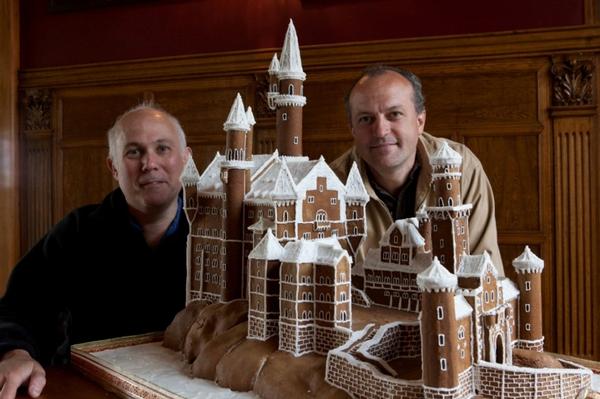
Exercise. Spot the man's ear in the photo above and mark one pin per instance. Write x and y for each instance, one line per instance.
(421, 121)
(112, 167)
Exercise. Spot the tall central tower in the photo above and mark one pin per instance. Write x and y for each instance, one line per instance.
(290, 100)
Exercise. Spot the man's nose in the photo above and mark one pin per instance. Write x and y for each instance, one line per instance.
(381, 127)
(149, 161)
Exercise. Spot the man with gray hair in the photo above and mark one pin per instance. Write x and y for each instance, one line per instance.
(107, 270)
(386, 113)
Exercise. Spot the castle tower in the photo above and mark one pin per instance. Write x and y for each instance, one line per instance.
(356, 200)
(290, 100)
(424, 227)
(263, 288)
(234, 171)
(449, 217)
(439, 336)
(273, 82)
(529, 279)
(189, 180)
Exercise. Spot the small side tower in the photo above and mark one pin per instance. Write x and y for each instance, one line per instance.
(356, 202)
(290, 100)
(273, 82)
(439, 336)
(189, 180)
(424, 227)
(234, 171)
(529, 279)
(250, 134)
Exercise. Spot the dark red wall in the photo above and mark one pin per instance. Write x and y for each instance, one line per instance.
(171, 27)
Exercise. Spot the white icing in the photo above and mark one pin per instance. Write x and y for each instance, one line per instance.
(290, 64)
(436, 277)
(355, 188)
(236, 120)
(462, 307)
(528, 262)
(250, 117)
(268, 248)
(274, 66)
(445, 155)
(476, 265)
(190, 175)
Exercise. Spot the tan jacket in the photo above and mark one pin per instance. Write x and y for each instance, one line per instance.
(475, 189)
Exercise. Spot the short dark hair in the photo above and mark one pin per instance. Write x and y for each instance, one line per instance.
(372, 71)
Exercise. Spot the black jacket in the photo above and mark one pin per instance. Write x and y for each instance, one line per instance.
(92, 277)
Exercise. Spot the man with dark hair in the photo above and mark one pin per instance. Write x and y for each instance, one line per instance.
(386, 113)
(106, 270)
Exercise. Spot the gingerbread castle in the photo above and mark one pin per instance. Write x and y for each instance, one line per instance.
(281, 230)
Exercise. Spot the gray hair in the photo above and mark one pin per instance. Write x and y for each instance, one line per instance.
(116, 131)
(379, 69)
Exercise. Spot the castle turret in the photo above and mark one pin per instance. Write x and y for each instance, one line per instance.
(273, 82)
(529, 271)
(424, 227)
(356, 200)
(189, 179)
(234, 171)
(449, 218)
(290, 100)
(438, 329)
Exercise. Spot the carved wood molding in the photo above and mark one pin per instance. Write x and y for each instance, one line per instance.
(572, 78)
(334, 56)
(37, 109)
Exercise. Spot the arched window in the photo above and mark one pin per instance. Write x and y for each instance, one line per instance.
(191, 203)
(285, 234)
(291, 89)
(343, 296)
(321, 297)
(354, 215)
(321, 215)
(440, 201)
(450, 202)
(355, 230)
(285, 216)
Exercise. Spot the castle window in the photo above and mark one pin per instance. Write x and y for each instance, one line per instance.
(320, 235)
(198, 247)
(442, 258)
(404, 257)
(450, 201)
(328, 297)
(527, 327)
(207, 247)
(488, 279)
(405, 280)
(386, 293)
(394, 256)
(527, 308)
(213, 211)
(448, 186)
(304, 296)
(260, 213)
(344, 315)
(440, 313)
(197, 276)
(304, 315)
(214, 263)
(223, 250)
(191, 203)
(296, 140)
(333, 201)
(492, 296)
(306, 236)
(321, 215)
(441, 340)
(386, 255)
(285, 234)
(354, 215)
(284, 116)
(311, 199)
(285, 216)
(462, 353)
(206, 262)
(441, 243)
(443, 364)
(440, 202)
(461, 332)
(207, 277)
(328, 316)
(321, 314)
(321, 297)
(462, 229)
(215, 249)
(291, 89)
(527, 285)
(199, 260)
(396, 281)
(395, 239)
(270, 213)
(435, 227)
(355, 230)
(486, 297)
(215, 233)
(320, 188)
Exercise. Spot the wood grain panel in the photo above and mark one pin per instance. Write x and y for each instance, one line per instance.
(574, 260)
(9, 180)
(512, 165)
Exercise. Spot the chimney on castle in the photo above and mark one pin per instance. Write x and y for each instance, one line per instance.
(290, 99)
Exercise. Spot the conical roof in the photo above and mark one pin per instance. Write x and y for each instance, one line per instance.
(250, 117)
(528, 261)
(290, 65)
(274, 67)
(445, 155)
(436, 277)
(190, 175)
(237, 117)
(355, 188)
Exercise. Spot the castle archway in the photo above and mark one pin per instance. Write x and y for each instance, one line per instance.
(499, 349)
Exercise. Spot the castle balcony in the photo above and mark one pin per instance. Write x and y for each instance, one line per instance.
(321, 225)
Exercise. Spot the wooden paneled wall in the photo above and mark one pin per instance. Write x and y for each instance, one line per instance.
(9, 64)
(524, 102)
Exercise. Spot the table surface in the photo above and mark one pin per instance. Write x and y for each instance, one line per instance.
(67, 383)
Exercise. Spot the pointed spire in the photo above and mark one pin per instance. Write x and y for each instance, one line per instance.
(528, 262)
(436, 277)
(290, 65)
(355, 188)
(284, 187)
(190, 175)
(445, 155)
(250, 117)
(274, 67)
(268, 248)
(237, 117)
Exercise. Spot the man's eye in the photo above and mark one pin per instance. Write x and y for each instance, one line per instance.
(365, 119)
(132, 153)
(162, 149)
(395, 114)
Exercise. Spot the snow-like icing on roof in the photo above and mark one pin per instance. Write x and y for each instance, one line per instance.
(236, 120)
(250, 116)
(410, 233)
(290, 65)
(274, 67)
(528, 261)
(317, 251)
(509, 289)
(190, 175)
(262, 225)
(475, 265)
(461, 307)
(355, 188)
(284, 187)
(446, 156)
(436, 277)
(268, 248)
(210, 180)
(317, 169)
